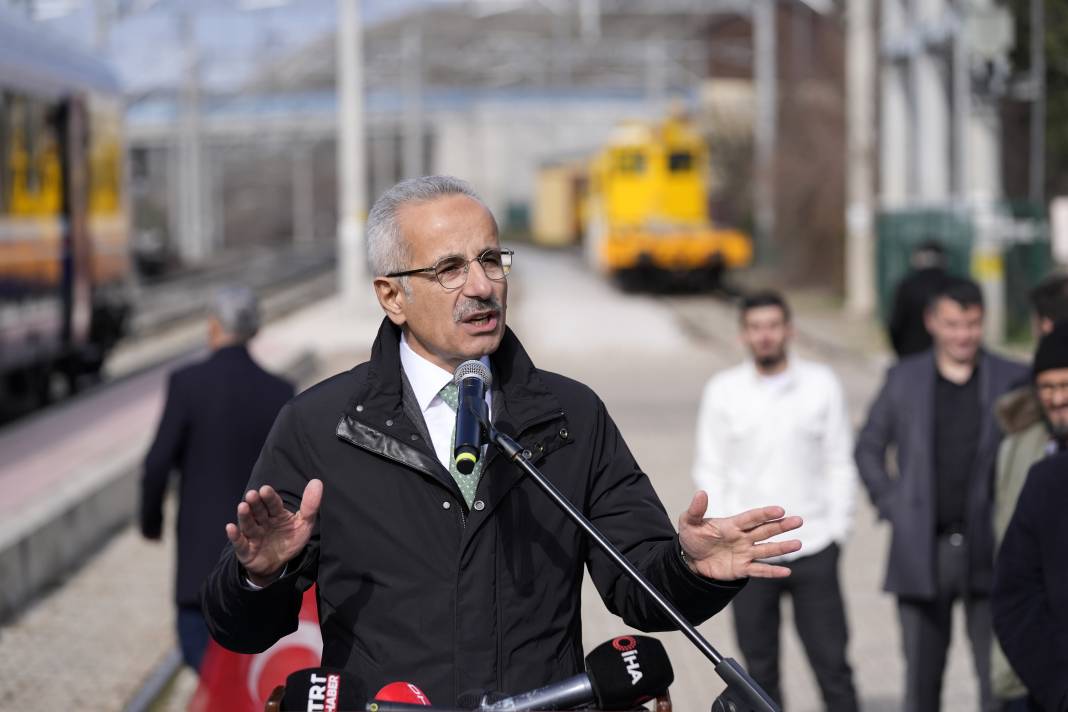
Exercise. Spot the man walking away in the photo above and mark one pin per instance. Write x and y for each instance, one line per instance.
(908, 333)
(776, 426)
(215, 420)
(936, 409)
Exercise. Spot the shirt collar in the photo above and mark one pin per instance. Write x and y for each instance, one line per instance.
(426, 378)
(783, 379)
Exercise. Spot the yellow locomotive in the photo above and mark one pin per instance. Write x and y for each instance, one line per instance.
(644, 213)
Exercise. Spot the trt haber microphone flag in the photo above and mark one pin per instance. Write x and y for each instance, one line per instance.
(233, 682)
(403, 692)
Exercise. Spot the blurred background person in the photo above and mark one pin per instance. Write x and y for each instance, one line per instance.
(216, 417)
(1049, 303)
(1031, 585)
(908, 333)
(936, 409)
(1027, 442)
(776, 426)
(1033, 420)
(1020, 408)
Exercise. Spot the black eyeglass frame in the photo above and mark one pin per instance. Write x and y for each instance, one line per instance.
(433, 269)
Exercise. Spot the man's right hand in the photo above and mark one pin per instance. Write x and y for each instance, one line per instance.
(267, 535)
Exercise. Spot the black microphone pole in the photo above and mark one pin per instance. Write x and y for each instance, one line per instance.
(743, 694)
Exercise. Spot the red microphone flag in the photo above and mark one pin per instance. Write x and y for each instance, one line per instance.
(231, 682)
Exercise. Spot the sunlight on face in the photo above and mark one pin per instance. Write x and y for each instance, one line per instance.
(957, 330)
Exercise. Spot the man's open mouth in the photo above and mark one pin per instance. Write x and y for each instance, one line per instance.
(482, 318)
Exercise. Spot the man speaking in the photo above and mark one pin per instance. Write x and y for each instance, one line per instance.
(457, 582)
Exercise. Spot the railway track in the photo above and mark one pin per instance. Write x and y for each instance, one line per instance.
(168, 322)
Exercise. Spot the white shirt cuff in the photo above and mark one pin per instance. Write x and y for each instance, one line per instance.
(255, 587)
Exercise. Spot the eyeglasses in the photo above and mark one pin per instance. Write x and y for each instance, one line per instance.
(451, 272)
(1050, 389)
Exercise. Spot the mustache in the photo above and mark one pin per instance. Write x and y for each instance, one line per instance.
(469, 306)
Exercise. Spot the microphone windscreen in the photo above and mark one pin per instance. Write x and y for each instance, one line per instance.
(472, 368)
(628, 671)
(403, 692)
(326, 689)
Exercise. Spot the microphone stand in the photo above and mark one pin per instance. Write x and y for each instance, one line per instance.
(743, 694)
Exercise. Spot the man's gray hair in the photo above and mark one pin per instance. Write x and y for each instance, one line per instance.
(238, 311)
(386, 251)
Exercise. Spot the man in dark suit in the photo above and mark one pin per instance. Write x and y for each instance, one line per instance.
(936, 408)
(217, 415)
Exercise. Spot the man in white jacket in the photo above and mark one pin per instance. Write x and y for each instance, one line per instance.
(776, 426)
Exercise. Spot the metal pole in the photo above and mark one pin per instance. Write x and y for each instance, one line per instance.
(192, 239)
(103, 11)
(765, 77)
(590, 19)
(656, 80)
(413, 101)
(860, 87)
(350, 146)
(303, 191)
(1037, 178)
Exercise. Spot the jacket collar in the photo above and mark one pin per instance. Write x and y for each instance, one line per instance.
(525, 399)
(378, 420)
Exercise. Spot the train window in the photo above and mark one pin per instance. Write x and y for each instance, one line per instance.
(630, 162)
(680, 162)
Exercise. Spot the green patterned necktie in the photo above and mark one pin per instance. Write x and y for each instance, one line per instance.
(466, 483)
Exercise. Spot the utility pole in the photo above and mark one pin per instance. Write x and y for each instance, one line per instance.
(352, 262)
(860, 179)
(103, 14)
(1037, 179)
(590, 19)
(413, 101)
(192, 237)
(767, 108)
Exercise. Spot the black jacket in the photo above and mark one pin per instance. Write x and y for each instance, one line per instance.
(412, 585)
(217, 415)
(1030, 598)
(903, 416)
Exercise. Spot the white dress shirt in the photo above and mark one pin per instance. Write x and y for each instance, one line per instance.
(427, 380)
(783, 439)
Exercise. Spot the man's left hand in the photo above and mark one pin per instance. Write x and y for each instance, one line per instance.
(731, 548)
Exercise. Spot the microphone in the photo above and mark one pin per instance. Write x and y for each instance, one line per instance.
(402, 692)
(321, 690)
(621, 674)
(472, 378)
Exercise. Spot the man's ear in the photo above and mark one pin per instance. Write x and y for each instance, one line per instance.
(392, 298)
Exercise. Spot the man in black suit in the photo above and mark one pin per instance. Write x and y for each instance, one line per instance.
(936, 409)
(217, 415)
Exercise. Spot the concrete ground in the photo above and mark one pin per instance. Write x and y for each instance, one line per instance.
(102, 632)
